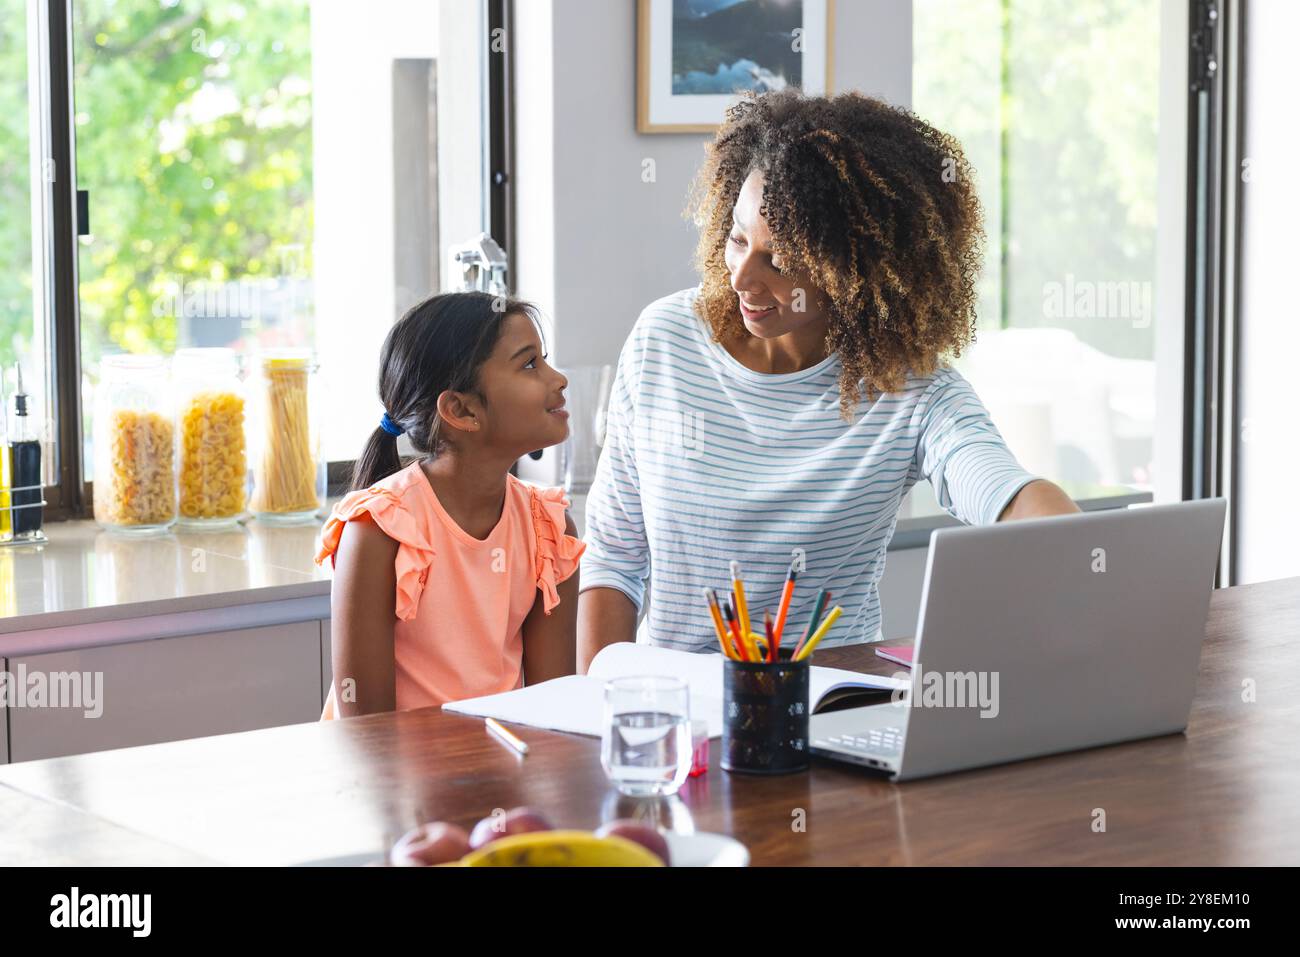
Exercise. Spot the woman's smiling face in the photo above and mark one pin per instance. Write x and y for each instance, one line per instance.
(772, 302)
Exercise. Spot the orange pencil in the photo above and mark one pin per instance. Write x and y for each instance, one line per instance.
(730, 627)
(742, 637)
(741, 647)
(732, 649)
(717, 623)
(786, 594)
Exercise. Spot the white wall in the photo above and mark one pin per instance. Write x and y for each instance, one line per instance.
(352, 133)
(596, 244)
(1269, 451)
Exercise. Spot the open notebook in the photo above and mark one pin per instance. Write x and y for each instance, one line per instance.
(576, 703)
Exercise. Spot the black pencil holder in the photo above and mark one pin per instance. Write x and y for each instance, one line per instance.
(765, 716)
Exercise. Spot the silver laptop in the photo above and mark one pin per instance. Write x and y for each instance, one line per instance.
(1045, 635)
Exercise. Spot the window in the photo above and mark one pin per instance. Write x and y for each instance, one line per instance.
(249, 175)
(1056, 104)
(194, 140)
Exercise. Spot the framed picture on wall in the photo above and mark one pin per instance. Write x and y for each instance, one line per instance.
(695, 56)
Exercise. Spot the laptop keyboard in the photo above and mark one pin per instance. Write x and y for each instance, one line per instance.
(886, 741)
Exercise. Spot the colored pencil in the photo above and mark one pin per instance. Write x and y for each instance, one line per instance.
(822, 597)
(786, 594)
(741, 647)
(811, 643)
(505, 737)
(717, 623)
(742, 610)
(767, 628)
(726, 627)
(741, 636)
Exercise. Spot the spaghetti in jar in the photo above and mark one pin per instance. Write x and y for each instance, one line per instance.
(288, 473)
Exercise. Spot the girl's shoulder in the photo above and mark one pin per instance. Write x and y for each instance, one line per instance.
(557, 551)
(396, 506)
(527, 491)
(395, 500)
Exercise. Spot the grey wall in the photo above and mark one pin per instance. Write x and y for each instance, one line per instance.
(597, 243)
(415, 185)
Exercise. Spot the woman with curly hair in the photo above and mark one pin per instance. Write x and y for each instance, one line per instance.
(782, 409)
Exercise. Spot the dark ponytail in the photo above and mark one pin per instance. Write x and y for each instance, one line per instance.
(438, 345)
(378, 459)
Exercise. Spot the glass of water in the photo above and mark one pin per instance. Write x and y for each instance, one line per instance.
(645, 745)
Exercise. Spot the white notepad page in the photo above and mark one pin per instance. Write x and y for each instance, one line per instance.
(576, 703)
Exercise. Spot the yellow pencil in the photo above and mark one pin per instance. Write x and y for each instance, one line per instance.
(817, 635)
(742, 610)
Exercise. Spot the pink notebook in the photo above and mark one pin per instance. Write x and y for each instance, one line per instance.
(899, 653)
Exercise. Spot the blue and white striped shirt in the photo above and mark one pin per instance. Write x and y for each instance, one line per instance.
(706, 461)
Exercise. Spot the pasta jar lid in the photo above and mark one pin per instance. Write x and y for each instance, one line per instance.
(286, 360)
(206, 359)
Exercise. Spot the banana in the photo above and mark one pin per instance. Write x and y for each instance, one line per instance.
(561, 849)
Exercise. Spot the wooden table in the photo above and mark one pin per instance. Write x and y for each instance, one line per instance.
(1227, 792)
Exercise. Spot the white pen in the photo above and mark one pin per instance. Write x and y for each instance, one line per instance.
(501, 734)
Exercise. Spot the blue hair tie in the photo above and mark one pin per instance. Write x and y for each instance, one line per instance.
(389, 426)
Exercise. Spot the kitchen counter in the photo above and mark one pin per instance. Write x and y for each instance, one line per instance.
(185, 633)
(85, 574)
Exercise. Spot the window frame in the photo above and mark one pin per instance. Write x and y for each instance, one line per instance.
(69, 496)
(1211, 366)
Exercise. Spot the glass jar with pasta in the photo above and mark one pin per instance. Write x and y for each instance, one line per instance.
(211, 464)
(134, 436)
(288, 472)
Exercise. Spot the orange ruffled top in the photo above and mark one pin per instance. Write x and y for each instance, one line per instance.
(461, 601)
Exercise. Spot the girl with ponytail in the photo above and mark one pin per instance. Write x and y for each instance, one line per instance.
(452, 578)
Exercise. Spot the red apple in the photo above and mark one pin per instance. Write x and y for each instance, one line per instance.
(428, 844)
(647, 837)
(519, 820)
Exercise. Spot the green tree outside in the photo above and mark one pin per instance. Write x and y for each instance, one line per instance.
(193, 125)
(1056, 102)
(193, 136)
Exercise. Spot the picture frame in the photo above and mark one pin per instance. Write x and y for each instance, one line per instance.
(688, 49)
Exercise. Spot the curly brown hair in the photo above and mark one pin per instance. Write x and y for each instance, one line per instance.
(865, 201)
